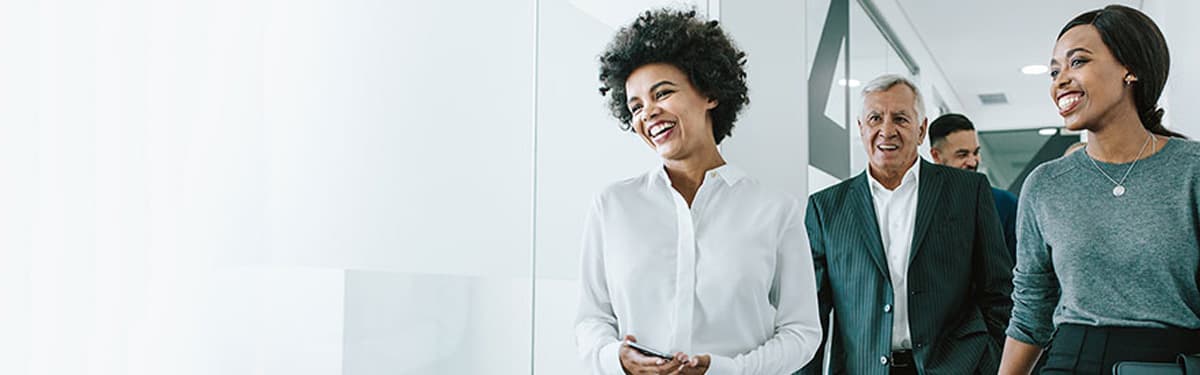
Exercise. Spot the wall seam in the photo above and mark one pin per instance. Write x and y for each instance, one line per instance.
(534, 195)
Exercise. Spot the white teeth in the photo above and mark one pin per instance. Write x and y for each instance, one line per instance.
(660, 128)
(1067, 101)
(888, 147)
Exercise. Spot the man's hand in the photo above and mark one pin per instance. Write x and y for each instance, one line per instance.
(697, 365)
(636, 363)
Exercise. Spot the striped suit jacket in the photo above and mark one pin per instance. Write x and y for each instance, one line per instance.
(959, 276)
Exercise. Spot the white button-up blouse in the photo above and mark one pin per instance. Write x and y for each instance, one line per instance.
(731, 276)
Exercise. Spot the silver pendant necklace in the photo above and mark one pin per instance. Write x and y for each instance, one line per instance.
(1119, 190)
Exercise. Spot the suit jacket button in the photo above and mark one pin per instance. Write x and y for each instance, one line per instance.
(887, 308)
(883, 360)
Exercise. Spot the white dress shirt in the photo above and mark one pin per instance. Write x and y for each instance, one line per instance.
(896, 211)
(731, 277)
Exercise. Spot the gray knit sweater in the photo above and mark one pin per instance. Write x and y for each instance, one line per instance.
(1087, 257)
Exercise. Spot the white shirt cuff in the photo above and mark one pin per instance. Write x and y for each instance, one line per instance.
(719, 365)
(610, 359)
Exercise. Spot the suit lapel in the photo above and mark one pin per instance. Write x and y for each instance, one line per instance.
(928, 192)
(863, 203)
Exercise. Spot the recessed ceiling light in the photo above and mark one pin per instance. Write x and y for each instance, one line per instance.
(1048, 131)
(852, 82)
(1034, 70)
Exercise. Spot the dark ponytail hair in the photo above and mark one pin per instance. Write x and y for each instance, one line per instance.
(1139, 45)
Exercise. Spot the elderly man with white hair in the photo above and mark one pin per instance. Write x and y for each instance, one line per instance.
(909, 255)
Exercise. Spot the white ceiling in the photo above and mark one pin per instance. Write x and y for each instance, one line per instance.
(982, 45)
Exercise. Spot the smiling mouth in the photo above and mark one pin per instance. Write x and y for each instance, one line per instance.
(659, 129)
(887, 147)
(1068, 102)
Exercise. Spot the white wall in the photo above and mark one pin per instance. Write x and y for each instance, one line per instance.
(770, 140)
(1177, 21)
(135, 160)
(187, 182)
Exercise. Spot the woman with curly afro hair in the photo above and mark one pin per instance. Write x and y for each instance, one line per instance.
(700, 266)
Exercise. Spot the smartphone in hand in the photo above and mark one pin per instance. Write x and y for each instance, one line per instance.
(648, 351)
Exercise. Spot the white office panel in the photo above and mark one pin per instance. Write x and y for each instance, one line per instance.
(1176, 19)
(554, 334)
(153, 149)
(401, 134)
(275, 321)
(234, 320)
(142, 140)
(19, 173)
(397, 323)
(770, 139)
(819, 180)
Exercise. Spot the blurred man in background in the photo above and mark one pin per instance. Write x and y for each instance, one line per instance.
(953, 143)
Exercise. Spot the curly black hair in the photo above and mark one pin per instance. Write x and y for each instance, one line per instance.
(695, 46)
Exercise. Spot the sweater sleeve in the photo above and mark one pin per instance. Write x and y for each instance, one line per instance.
(1035, 284)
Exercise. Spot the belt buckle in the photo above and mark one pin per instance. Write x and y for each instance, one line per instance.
(907, 357)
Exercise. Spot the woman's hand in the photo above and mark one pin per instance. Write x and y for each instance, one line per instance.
(1019, 358)
(636, 363)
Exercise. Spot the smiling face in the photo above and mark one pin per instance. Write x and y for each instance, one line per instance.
(891, 129)
(959, 149)
(669, 114)
(1089, 86)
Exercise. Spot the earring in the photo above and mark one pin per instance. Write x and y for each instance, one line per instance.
(1130, 79)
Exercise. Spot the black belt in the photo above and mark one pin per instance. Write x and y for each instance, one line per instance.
(902, 358)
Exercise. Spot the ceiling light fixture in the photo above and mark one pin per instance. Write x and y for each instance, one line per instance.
(852, 82)
(1048, 131)
(1034, 70)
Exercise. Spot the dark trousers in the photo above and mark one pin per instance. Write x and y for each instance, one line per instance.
(1078, 349)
